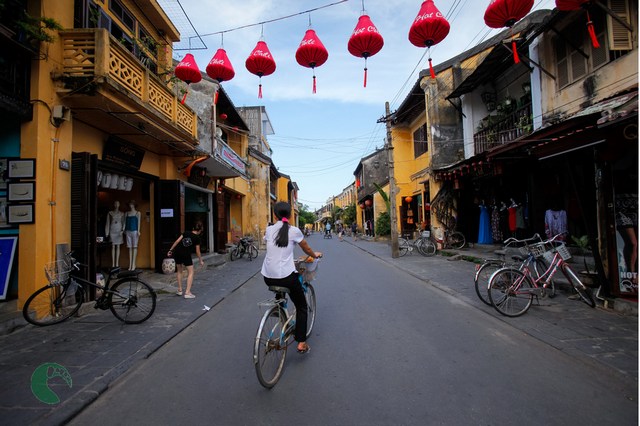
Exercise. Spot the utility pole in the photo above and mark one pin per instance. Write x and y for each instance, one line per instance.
(392, 185)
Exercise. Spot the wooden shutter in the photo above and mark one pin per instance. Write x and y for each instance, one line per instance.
(562, 66)
(83, 212)
(619, 36)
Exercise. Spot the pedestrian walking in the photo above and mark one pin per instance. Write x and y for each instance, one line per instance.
(354, 231)
(181, 251)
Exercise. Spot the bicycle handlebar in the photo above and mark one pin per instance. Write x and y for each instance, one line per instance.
(512, 240)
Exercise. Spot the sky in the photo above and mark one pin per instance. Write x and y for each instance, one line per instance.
(320, 138)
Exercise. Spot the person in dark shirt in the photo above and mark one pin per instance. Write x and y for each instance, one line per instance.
(181, 251)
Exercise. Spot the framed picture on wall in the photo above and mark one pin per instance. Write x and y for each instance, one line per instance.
(21, 191)
(3, 174)
(3, 213)
(20, 214)
(21, 168)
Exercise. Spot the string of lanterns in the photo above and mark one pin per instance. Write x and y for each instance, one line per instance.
(429, 28)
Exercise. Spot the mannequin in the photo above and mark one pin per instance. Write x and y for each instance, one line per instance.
(114, 228)
(132, 233)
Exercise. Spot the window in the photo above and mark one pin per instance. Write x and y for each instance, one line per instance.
(420, 145)
(122, 14)
(574, 53)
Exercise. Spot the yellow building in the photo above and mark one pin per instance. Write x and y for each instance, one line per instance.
(95, 132)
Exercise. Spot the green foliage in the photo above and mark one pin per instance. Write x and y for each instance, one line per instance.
(584, 246)
(384, 196)
(383, 224)
(37, 29)
(305, 216)
(349, 214)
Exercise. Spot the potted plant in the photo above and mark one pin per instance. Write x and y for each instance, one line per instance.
(588, 277)
(34, 30)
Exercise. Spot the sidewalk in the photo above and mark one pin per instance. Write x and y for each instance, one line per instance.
(96, 349)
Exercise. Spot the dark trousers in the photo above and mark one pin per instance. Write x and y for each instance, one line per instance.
(296, 293)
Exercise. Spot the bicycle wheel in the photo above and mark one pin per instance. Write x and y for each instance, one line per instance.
(234, 253)
(403, 246)
(510, 292)
(132, 301)
(583, 291)
(270, 347)
(428, 247)
(53, 304)
(421, 245)
(456, 240)
(482, 276)
(310, 295)
(253, 252)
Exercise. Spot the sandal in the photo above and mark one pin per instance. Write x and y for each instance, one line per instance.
(179, 293)
(306, 349)
(189, 296)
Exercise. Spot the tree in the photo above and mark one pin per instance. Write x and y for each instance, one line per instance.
(305, 216)
(349, 214)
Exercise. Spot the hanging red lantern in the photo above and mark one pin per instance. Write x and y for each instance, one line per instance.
(569, 5)
(428, 29)
(261, 63)
(368, 203)
(365, 41)
(311, 53)
(220, 69)
(505, 13)
(362, 206)
(408, 199)
(187, 71)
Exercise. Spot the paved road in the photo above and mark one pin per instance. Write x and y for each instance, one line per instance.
(388, 348)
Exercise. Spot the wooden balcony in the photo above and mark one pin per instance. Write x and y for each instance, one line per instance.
(96, 64)
(503, 129)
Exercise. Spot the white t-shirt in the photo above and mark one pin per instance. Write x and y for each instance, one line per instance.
(278, 262)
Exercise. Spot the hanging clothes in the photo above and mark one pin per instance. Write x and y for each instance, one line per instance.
(484, 233)
(512, 219)
(495, 225)
(555, 222)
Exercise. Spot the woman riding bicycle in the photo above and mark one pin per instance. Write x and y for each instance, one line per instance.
(278, 268)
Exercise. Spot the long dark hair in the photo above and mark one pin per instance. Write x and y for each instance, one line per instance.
(282, 210)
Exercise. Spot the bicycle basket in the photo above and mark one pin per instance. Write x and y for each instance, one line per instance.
(537, 249)
(308, 270)
(563, 251)
(57, 272)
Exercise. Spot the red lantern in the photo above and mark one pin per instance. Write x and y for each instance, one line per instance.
(223, 116)
(365, 41)
(505, 13)
(188, 71)
(428, 29)
(261, 63)
(362, 206)
(568, 5)
(368, 203)
(311, 53)
(408, 199)
(220, 69)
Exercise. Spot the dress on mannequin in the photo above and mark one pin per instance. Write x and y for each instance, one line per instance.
(132, 233)
(484, 233)
(114, 229)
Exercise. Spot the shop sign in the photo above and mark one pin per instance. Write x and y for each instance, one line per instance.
(232, 158)
(166, 212)
(122, 154)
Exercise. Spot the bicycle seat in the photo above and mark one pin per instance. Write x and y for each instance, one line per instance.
(277, 289)
(125, 274)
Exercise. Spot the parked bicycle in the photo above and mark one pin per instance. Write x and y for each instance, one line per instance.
(276, 329)
(129, 299)
(450, 240)
(244, 245)
(422, 244)
(512, 290)
(485, 270)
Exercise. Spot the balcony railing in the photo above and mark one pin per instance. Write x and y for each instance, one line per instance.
(94, 53)
(504, 129)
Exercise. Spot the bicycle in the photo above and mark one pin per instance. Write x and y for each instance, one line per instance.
(276, 328)
(129, 299)
(511, 290)
(450, 240)
(485, 270)
(244, 245)
(422, 244)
